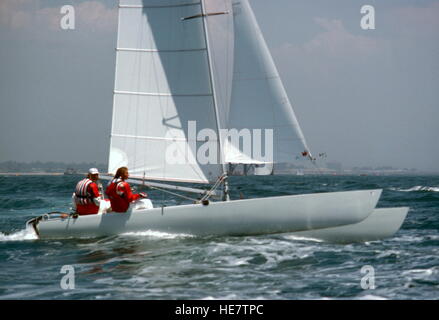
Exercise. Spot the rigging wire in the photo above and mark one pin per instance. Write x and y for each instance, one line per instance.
(170, 192)
(214, 187)
(206, 196)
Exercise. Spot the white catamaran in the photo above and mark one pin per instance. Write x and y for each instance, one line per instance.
(180, 62)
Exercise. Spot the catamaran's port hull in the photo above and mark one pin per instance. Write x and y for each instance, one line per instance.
(240, 217)
(382, 223)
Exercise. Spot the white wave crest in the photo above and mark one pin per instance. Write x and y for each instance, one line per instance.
(417, 188)
(231, 296)
(301, 238)
(421, 273)
(371, 297)
(389, 253)
(26, 234)
(157, 234)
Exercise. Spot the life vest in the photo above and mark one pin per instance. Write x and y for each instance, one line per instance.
(112, 188)
(82, 195)
(120, 195)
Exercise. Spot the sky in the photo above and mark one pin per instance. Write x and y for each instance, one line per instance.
(364, 97)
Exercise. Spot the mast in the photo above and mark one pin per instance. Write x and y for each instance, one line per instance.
(204, 15)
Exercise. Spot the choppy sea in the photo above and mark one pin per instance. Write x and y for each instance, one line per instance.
(155, 265)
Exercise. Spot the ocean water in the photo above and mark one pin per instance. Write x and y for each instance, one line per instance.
(155, 265)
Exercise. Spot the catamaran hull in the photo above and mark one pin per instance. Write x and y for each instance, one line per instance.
(240, 217)
(382, 223)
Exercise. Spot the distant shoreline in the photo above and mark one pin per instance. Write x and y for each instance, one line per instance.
(35, 174)
(16, 174)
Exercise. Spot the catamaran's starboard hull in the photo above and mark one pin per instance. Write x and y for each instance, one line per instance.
(240, 217)
(382, 223)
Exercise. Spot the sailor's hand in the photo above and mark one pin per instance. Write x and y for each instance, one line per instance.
(143, 195)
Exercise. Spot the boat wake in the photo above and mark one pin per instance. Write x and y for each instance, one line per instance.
(157, 234)
(22, 235)
(417, 188)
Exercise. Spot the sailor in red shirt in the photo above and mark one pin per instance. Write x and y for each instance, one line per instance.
(86, 197)
(119, 191)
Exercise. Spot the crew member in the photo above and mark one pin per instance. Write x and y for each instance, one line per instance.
(87, 198)
(119, 191)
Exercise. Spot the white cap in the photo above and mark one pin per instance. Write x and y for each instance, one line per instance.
(93, 171)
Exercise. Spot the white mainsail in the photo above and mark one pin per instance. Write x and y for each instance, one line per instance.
(163, 81)
(259, 100)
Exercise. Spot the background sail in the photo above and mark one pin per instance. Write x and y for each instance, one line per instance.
(162, 82)
(259, 100)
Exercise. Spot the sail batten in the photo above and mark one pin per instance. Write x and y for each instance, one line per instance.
(157, 50)
(156, 138)
(156, 94)
(133, 6)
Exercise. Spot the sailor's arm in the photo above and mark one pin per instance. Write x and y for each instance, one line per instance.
(130, 196)
(94, 190)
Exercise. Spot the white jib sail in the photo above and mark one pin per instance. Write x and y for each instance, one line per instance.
(162, 82)
(259, 100)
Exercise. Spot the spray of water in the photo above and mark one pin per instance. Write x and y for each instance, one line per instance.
(22, 235)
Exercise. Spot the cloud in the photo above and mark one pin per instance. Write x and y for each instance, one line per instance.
(13, 14)
(22, 15)
(94, 14)
(427, 16)
(335, 50)
(335, 41)
(417, 21)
